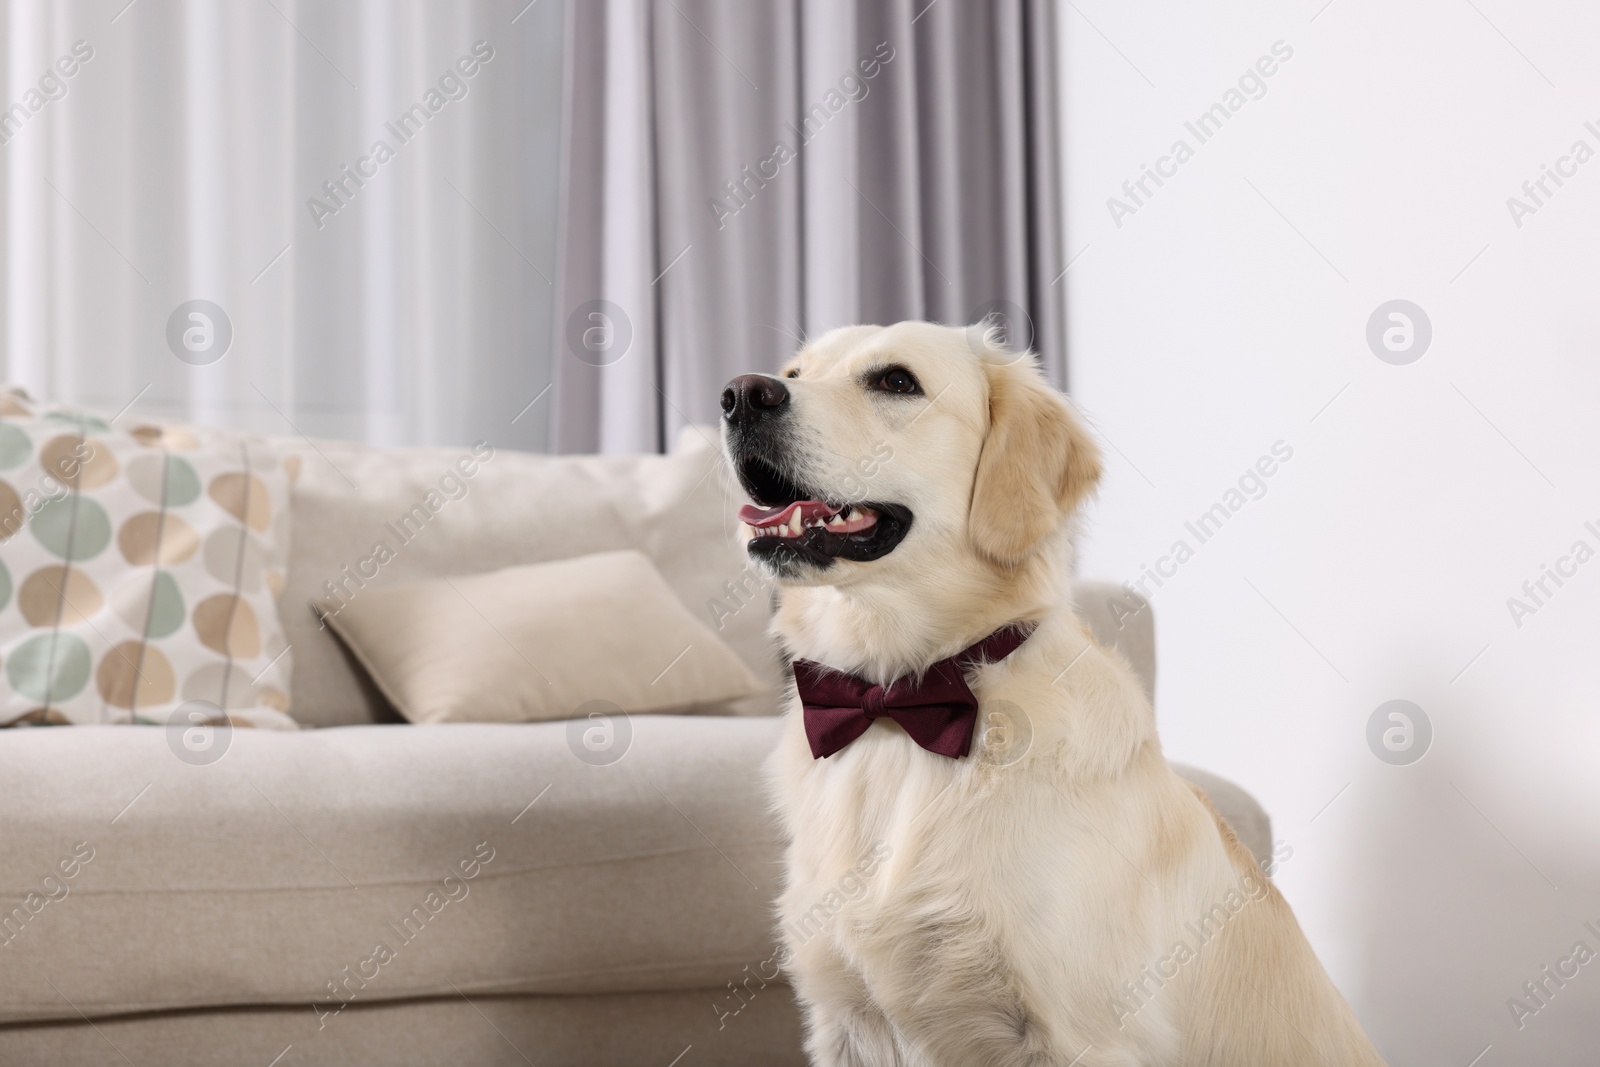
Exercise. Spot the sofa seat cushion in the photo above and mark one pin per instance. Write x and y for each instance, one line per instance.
(271, 875)
(607, 1030)
(486, 858)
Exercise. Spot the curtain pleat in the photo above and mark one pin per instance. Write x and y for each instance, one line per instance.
(805, 165)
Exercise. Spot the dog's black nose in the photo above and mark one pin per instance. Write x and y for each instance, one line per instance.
(753, 394)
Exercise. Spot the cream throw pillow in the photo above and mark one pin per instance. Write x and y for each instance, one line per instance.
(533, 643)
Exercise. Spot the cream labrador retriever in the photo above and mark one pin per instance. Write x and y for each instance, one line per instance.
(991, 861)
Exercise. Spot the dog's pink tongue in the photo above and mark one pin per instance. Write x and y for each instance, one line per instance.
(752, 515)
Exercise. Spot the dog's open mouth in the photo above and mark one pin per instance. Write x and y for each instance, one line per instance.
(792, 523)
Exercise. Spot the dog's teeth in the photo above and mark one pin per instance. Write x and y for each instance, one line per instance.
(794, 523)
(837, 520)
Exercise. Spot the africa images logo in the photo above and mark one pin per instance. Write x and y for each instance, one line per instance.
(739, 191)
(1252, 85)
(50, 87)
(199, 332)
(347, 183)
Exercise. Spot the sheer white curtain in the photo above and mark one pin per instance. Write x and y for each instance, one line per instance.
(183, 158)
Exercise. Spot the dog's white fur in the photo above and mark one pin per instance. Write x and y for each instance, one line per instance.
(989, 910)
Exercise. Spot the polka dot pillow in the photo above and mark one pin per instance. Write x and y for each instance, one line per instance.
(139, 571)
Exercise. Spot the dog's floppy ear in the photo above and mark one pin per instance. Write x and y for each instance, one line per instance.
(1037, 463)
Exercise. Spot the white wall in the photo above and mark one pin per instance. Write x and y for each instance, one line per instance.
(1229, 313)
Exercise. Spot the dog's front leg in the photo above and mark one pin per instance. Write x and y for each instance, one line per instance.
(953, 997)
(844, 1028)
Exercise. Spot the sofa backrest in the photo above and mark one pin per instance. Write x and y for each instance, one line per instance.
(365, 516)
(1123, 620)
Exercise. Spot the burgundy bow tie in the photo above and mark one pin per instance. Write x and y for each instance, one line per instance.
(939, 712)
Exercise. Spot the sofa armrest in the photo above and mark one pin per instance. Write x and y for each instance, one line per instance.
(1243, 812)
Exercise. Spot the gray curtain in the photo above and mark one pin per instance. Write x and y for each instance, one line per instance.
(741, 175)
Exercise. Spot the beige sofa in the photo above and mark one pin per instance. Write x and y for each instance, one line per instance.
(615, 912)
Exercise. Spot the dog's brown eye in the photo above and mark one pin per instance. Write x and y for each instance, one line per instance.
(898, 380)
(792, 372)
